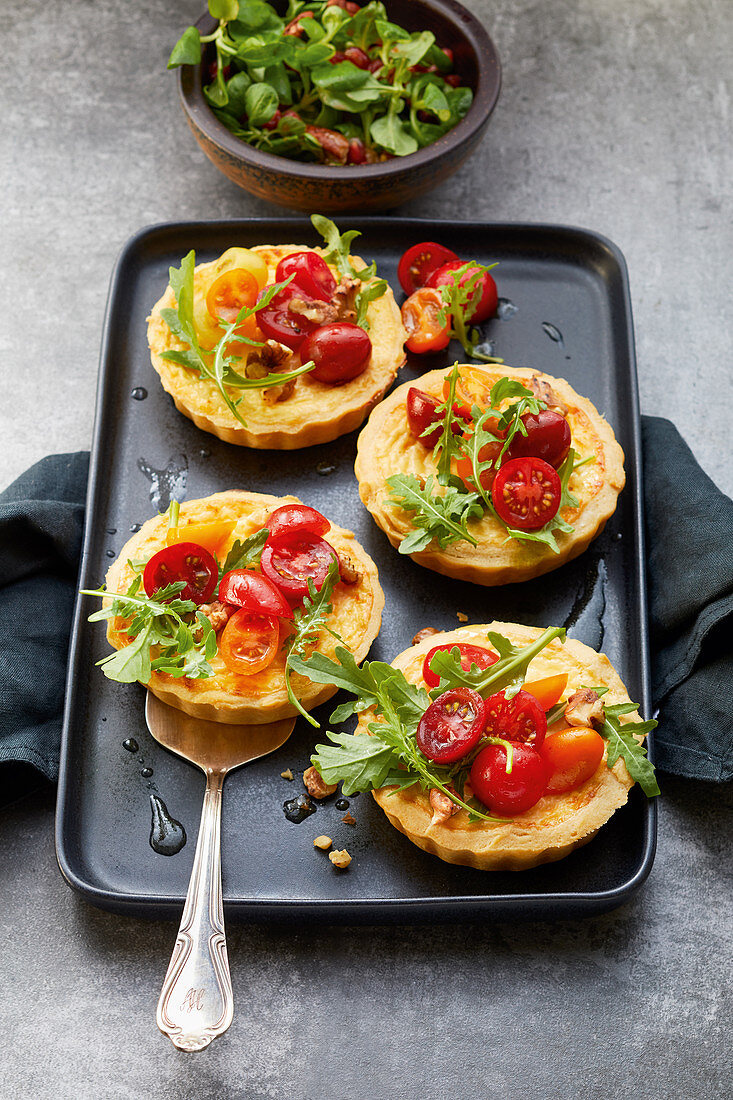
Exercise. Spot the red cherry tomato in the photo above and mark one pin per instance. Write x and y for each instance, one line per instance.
(422, 412)
(419, 262)
(312, 275)
(548, 438)
(420, 318)
(571, 756)
(290, 518)
(526, 493)
(470, 655)
(508, 793)
(292, 561)
(184, 561)
(249, 642)
(484, 294)
(278, 323)
(520, 718)
(451, 726)
(245, 588)
(340, 351)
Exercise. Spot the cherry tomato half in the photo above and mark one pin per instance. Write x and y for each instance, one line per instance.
(472, 388)
(484, 295)
(245, 588)
(520, 718)
(470, 655)
(571, 756)
(249, 642)
(291, 518)
(526, 493)
(511, 792)
(278, 323)
(548, 438)
(419, 262)
(212, 536)
(340, 351)
(488, 453)
(311, 274)
(184, 561)
(292, 561)
(420, 317)
(231, 292)
(451, 726)
(547, 692)
(422, 412)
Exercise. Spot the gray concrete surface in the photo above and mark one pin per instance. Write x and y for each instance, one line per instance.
(613, 116)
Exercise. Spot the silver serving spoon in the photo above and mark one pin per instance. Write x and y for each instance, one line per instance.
(196, 1003)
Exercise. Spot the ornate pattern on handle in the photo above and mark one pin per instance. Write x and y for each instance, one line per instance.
(196, 1003)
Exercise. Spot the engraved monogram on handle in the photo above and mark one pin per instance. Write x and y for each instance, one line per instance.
(196, 1003)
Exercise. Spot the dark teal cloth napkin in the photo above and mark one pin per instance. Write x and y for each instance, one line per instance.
(689, 539)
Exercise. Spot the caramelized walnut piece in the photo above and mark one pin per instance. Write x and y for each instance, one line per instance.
(349, 819)
(217, 613)
(543, 391)
(271, 358)
(442, 806)
(315, 785)
(426, 632)
(584, 708)
(340, 859)
(348, 571)
(344, 298)
(317, 312)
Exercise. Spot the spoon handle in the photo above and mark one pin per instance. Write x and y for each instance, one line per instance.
(196, 1003)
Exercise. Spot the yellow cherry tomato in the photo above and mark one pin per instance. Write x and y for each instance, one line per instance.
(244, 259)
(212, 536)
(547, 692)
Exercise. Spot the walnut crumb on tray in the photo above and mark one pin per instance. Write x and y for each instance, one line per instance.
(322, 842)
(340, 859)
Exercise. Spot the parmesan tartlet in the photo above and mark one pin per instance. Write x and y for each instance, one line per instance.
(312, 412)
(387, 447)
(555, 825)
(228, 696)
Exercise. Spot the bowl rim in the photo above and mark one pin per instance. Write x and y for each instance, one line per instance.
(203, 120)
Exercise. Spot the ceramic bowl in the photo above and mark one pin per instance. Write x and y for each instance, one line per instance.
(367, 187)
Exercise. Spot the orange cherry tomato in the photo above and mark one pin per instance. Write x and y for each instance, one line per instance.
(473, 388)
(228, 294)
(212, 536)
(420, 317)
(547, 692)
(249, 642)
(463, 467)
(571, 756)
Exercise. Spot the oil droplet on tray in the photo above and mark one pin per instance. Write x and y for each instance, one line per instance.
(167, 484)
(167, 836)
(110, 553)
(146, 773)
(486, 347)
(586, 615)
(325, 468)
(298, 809)
(505, 309)
(553, 332)
(111, 530)
(130, 744)
(342, 803)
(135, 527)
(139, 393)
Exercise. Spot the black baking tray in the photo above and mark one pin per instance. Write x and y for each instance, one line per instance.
(565, 309)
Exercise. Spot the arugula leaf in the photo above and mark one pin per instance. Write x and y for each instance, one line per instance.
(449, 444)
(458, 298)
(308, 622)
(441, 517)
(339, 254)
(622, 743)
(358, 762)
(508, 672)
(245, 553)
(161, 620)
